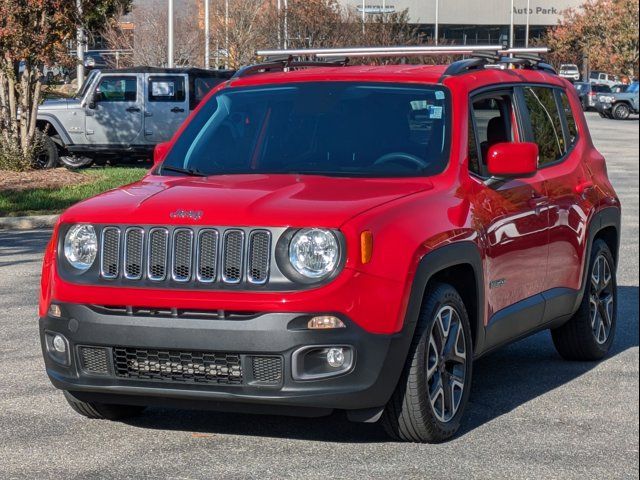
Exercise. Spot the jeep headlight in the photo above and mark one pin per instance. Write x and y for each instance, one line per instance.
(81, 246)
(314, 252)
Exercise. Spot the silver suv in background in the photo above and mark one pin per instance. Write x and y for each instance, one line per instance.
(618, 106)
(570, 71)
(121, 114)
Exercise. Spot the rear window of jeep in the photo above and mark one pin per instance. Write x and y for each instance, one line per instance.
(323, 128)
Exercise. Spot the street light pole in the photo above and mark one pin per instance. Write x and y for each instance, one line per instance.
(511, 29)
(279, 8)
(207, 35)
(226, 33)
(170, 53)
(436, 33)
(286, 24)
(526, 35)
(364, 15)
(80, 46)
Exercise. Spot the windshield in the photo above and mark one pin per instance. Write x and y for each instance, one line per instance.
(324, 128)
(85, 85)
(633, 88)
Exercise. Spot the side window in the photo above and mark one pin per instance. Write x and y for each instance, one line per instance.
(167, 89)
(474, 157)
(202, 86)
(546, 124)
(493, 116)
(117, 89)
(572, 128)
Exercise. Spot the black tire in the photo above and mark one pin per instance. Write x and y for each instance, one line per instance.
(411, 415)
(577, 339)
(47, 156)
(101, 411)
(621, 111)
(73, 163)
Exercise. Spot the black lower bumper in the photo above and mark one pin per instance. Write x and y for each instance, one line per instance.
(368, 384)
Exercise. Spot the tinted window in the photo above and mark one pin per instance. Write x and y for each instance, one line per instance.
(571, 121)
(166, 89)
(321, 128)
(203, 85)
(474, 157)
(545, 123)
(601, 88)
(117, 89)
(581, 87)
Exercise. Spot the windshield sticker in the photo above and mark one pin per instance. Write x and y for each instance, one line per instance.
(435, 113)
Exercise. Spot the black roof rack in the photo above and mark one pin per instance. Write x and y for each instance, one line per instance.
(285, 62)
(479, 57)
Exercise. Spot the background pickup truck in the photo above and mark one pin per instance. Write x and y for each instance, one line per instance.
(121, 114)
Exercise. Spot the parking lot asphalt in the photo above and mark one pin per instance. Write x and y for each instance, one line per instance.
(532, 415)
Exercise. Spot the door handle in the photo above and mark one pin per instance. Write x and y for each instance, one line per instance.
(177, 110)
(538, 202)
(133, 109)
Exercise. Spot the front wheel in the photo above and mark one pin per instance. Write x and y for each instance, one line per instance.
(102, 411)
(589, 334)
(429, 401)
(47, 152)
(621, 111)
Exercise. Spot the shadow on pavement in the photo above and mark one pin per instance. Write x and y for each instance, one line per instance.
(502, 382)
(27, 243)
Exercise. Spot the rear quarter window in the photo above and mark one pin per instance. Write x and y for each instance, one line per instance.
(546, 124)
(572, 128)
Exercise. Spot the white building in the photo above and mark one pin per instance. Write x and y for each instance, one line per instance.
(473, 21)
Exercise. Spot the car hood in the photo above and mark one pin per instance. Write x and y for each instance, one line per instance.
(58, 104)
(243, 200)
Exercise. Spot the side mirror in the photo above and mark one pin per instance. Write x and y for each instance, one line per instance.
(513, 160)
(160, 152)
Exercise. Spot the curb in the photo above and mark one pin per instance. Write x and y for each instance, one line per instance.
(28, 223)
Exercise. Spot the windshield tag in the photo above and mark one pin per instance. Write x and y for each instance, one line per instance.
(435, 113)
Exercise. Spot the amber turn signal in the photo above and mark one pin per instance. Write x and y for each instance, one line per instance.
(366, 246)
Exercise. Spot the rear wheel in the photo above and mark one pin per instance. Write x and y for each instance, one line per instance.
(432, 393)
(102, 411)
(621, 111)
(590, 332)
(73, 162)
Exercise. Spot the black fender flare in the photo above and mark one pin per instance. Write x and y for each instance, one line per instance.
(607, 217)
(55, 123)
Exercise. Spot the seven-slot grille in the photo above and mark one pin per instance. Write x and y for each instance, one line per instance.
(182, 255)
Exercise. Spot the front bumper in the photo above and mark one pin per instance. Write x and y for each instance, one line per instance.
(368, 384)
(603, 107)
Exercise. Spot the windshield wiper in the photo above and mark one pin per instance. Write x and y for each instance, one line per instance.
(187, 171)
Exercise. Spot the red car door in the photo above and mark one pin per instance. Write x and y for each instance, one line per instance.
(512, 217)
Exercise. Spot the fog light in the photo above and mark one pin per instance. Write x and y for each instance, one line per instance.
(325, 322)
(54, 310)
(335, 357)
(59, 344)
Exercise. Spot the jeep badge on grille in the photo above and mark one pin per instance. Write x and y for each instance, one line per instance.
(192, 214)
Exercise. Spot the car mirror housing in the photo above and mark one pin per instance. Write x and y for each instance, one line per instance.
(513, 160)
(160, 152)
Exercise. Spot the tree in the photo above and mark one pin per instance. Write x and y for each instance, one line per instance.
(33, 34)
(604, 31)
(148, 40)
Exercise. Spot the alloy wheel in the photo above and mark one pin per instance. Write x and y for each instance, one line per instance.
(601, 299)
(446, 364)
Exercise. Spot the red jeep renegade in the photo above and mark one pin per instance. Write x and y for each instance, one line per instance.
(339, 237)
